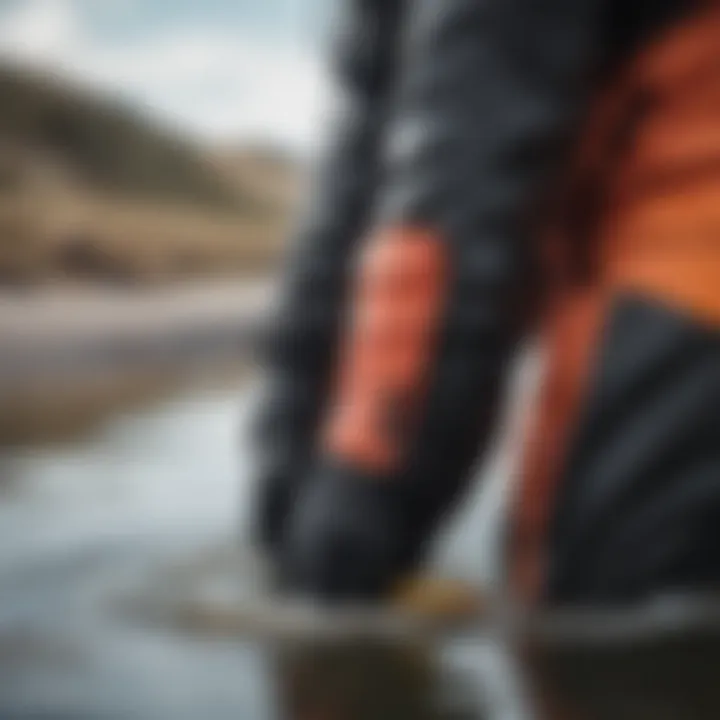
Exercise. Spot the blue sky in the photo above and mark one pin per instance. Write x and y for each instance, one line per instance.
(223, 69)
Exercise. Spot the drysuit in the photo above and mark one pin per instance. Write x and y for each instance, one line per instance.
(502, 169)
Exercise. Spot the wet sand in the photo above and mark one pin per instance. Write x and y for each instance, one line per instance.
(70, 358)
(64, 331)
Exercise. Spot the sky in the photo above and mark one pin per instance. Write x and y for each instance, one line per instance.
(226, 70)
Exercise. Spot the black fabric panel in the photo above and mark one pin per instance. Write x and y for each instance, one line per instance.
(638, 511)
(487, 101)
(301, 344)
(486, 98)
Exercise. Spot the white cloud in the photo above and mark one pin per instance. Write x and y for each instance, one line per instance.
(208, 79)
(39, 31)
(221, 83)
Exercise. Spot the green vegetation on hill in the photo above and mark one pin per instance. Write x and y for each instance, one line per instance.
(104, 144)
(91, 190)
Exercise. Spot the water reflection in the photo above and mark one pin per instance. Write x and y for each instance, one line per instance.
(79, 523)
(83, 525)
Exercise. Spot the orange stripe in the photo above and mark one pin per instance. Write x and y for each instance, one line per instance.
(572, 337)
(388, 353)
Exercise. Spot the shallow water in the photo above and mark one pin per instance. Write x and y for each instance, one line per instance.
(83, 525)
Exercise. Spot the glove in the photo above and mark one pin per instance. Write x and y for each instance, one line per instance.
(279, 467)
(272, 507)
(280, 443)
(348, 539)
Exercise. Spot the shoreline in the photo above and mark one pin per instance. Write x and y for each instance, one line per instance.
(70, 359)
(60, 333)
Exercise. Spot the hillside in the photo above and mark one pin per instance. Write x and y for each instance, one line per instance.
(265, 174)
(93, 190)
(103, 143)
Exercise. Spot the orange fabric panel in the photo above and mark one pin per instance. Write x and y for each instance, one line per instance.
(388, 352)
(660, 233)
(669, 248)
(571, 338)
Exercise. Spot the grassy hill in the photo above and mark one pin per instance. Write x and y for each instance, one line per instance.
(104, 143)
(93, 190)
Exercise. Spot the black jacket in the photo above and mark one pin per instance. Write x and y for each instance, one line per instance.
(457, 117)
